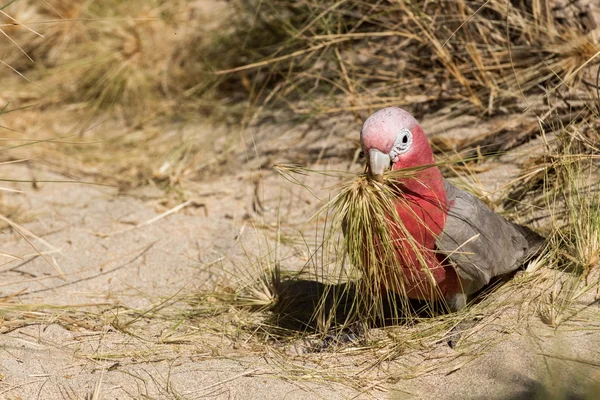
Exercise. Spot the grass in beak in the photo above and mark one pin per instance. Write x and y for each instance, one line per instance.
(376, 243)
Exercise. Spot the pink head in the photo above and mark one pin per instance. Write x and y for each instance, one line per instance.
(392, 138)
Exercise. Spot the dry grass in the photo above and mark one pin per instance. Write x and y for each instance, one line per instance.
(486, 57)
(107, 79)
(145, 64)
(101, 81)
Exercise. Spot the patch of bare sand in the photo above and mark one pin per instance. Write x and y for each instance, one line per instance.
(93, 234)
(542, 364)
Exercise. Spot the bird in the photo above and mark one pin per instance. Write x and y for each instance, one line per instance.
(461, 244)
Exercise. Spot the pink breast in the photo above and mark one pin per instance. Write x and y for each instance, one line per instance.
(422, 210)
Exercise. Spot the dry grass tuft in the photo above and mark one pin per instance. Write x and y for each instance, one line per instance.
(113, 83)
(366, 211)
(486, 57)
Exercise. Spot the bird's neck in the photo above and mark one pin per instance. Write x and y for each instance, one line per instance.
(425, 206)
(428, 182)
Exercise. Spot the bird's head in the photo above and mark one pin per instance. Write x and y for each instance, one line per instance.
(392, 139)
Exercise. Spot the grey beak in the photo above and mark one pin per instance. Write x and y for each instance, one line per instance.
(378, 164)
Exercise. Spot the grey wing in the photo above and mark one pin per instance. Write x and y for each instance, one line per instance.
(479, 243)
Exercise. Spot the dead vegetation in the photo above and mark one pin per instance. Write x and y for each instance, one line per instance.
(484, 57)
(107, 91)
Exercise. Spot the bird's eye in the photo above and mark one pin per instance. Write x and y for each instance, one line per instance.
(361, 154)
(402, 143)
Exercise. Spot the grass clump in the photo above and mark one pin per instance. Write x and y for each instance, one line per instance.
(484, 57)
(570, 190)
(111, 57)
(361, 273)
(101, 55)
(117, 78)
(379, 245)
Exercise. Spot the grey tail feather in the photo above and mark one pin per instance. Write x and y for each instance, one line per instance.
(535, 241)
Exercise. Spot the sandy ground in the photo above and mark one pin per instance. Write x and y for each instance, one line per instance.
(120, 326)
(102, 291)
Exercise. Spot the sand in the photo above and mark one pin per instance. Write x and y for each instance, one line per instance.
(124, 260)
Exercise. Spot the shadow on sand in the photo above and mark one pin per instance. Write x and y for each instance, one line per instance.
(303, 306)
(309, 306)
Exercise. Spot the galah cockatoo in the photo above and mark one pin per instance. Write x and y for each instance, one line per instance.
(462, 243)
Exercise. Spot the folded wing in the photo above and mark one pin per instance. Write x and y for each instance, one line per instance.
(481, 244)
